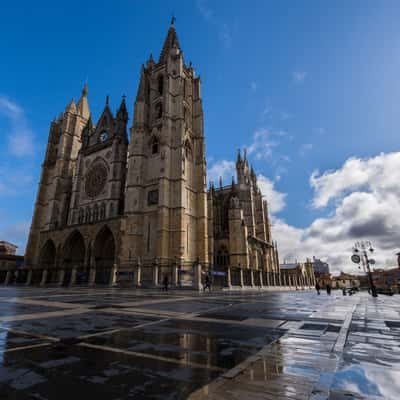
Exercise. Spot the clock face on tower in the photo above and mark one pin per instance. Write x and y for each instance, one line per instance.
(103, 136)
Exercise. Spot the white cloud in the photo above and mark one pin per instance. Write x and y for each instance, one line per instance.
(299, 76)
(224, 169)
(366, 196)
(20, 137)
(275, 199)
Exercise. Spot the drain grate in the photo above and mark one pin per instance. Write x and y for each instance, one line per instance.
(392, 324)
(333, 328)
(314, 327)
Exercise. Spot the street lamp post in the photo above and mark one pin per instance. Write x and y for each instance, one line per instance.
(360, 250)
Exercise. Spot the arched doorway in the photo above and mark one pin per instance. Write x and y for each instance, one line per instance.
(104, 254)
(47, 261)
(74, 257)
(221, 265)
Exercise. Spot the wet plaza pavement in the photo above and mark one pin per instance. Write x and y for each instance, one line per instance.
(106, 343)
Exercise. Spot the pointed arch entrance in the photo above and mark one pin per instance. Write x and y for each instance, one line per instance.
(104, 255)
(47, 262)
(74, 257)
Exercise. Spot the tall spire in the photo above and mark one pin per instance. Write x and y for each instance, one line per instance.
(171, 41)
(82, 107)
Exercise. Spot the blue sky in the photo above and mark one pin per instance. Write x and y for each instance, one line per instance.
(305, 86)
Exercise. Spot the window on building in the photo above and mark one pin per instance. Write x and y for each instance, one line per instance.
(152, 197)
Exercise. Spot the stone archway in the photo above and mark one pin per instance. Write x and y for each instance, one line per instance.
(104, 255)
(74, 258)
(47, 261)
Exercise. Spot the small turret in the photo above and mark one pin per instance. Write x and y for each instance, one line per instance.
(122, 113)
(71, 107)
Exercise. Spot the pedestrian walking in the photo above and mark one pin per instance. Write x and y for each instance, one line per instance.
(207, 284)
(318, 288)
(165, 283)
(328, 289)
(344, 291)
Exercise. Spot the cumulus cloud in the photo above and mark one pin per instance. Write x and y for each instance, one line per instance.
(365, 195)
(299, 76)
(222, 168)
(20, 137)
(276, 199)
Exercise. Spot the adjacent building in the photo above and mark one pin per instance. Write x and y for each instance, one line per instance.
(10, 263)
(298, 274)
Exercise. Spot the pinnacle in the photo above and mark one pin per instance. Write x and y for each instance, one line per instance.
(71, 107)
(171, 41)
(85, 90)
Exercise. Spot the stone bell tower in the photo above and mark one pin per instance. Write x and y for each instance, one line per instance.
(166, 201)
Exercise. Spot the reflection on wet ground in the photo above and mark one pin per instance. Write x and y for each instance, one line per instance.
(123, 343)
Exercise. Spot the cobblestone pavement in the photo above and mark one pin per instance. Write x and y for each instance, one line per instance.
(65, 343)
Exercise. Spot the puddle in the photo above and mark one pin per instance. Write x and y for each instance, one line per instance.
(368, 380)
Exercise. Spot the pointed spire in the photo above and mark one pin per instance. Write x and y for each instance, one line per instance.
(71, 107)
(107, 101)
(220, 181)
(85, 90)
(83, 106)
(122, 113)
(171, 41)
(239, 157)
(150, 61)
(245, 154)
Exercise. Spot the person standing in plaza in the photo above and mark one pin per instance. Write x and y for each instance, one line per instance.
(328, 289)
(318, 287)
(207, 283)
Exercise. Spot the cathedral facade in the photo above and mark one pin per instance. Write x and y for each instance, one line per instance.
(115, 211)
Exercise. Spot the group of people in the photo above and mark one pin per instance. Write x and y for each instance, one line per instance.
(327, 287)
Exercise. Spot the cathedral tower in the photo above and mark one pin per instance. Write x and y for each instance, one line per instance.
(52, 207)
(166, 201)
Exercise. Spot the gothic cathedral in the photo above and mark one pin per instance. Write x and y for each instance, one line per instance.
(115, 211)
